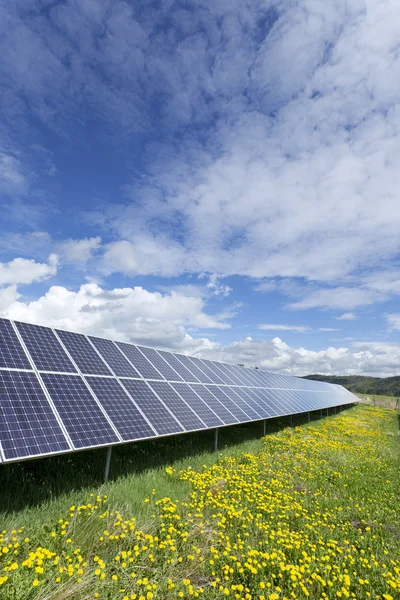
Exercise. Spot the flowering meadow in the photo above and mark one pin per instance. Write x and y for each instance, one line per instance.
(313, 513)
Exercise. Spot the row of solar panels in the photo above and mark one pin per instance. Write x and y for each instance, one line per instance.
(57, 351)
(44, 412)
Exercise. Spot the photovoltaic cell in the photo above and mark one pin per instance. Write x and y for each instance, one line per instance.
(222, 412)
(160, 364)
(126, 418)
(218, 373)
(84, 421)
(177, 406)
(206, 368)
(84, 355)
(183, 371)
(218, 392)
(255, 401)
(45, 349)
(12, 354)
(162, 421)
(191, 365)
(28, 426)
(223, 372)
(246, 404)
(198, 405)
(114, 358)
(139, 361)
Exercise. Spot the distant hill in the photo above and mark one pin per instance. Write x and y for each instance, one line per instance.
(386, 386)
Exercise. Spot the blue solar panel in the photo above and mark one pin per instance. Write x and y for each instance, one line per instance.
(193, 365)
(198, 405)
(126, 418)
(45, 349)
(177, 365)
(177, 406)
(28, 425)
(230, 404)
(139, 361)
(206, 367)
(160, 418)
(229, 374)
(83, 354)
(255, 401)
(114, 358)
(259, 396)
(12, 354)
(243, 403)
(216, 406)
(84, 421)
(160, 364)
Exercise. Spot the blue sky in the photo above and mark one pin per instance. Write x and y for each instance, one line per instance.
(216, 178)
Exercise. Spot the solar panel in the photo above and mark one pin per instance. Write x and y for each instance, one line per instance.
(152, 407)
(241, 403)
(206, 367)
(139, 361)
(114, 358)
(198, 405)
(94, 392)
(83, 354)
(82, 417)
(257, 407)
(223, 397)
(160, 364)
(177, 406)
(193, 367)
(12, 354)
(28, 425)
(45, 349)
(126, 417)
(214, 403)
(177, 365)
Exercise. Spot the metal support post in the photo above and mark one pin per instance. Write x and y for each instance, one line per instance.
(320, 413)
(216, 440)
(327, 412)
(265, 427)
(108, 460)
(291, 420)
(309, 416)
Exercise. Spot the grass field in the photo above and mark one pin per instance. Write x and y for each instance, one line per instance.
(382, 401)
(310, 512)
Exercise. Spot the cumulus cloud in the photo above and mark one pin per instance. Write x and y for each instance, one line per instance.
(377, 359)
(347, 317)
(328, 329)
(25, 271)
(275, 327)
(79, 251)
(393, 320)
(126, 313)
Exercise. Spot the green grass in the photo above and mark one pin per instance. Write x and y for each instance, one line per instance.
(310, 512)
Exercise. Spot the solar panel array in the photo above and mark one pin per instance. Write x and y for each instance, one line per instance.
(62, 391)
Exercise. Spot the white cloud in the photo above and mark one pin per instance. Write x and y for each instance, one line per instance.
(79, 251)
(26, 271)
(126, 313)
(377, 359)
(12, 178)
(328, 329)
(216, 287)
(393, 320)
(338, 298)
(347, 317)
(275, 327)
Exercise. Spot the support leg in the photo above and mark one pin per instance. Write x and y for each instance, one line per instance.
(320, 413)
(216, 440)
(265, 427)
(291, 420)
(309, 416)
(108, 460)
